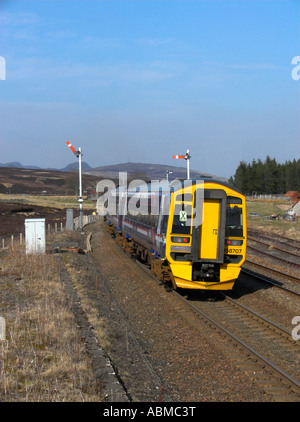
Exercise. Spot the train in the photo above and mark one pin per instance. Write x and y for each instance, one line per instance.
(191, 233)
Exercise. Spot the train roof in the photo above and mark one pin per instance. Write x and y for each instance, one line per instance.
(169, 186)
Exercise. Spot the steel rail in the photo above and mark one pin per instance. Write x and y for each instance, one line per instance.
(258, 316)
(272, 269)
(275, 237)
(258, 355)
(286, 261)
(294, 254)
(266, 280)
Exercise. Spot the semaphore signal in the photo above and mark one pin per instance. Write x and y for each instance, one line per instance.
(80, 200)
(73, 149)
(187, 158)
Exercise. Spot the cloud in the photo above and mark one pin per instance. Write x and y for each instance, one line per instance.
(18, 19)
(244, 66)
(155, 42)
(101, 43)
(45, 69)
(18, 25)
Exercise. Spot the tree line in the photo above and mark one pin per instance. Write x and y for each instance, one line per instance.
(268, 177)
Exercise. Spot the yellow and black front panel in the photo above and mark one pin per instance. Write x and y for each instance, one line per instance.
(206, 252)
(179, 243)
(208, 233)
(209, 230)
(235, 234)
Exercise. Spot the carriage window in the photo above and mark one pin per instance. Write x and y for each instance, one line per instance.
(182, 219)
(234, 221)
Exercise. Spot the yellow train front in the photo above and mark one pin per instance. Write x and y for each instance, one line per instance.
(195, 239)
(207, 253)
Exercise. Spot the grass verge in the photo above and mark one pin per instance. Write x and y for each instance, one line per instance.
(42, 357)
(60, 202)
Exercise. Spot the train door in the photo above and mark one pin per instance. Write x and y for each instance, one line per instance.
(209, 235)
(209, 230)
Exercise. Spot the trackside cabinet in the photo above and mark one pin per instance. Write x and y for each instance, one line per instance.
(35, 235)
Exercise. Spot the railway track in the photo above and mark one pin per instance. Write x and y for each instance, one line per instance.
(291, 260)
(273, 246)
(285, 256)
(268, 280)
(290, 253)
(268, 352)
(287, 244)
(259, 346)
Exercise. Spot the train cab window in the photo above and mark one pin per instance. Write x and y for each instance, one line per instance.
(234, 200)
(182, 219)
(234, 222)
(185, 197)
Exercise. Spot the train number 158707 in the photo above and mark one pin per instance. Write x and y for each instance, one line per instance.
(235, 250)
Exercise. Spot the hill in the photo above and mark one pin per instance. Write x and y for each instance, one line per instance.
(16, 164)
(146, 171)
(69, 167)
(38, 181)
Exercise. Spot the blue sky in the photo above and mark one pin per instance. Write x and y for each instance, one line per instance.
(142, 80)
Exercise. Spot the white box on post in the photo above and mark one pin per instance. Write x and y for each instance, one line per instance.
(35, 235)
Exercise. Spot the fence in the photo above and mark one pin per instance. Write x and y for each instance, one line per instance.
(87, 219)
(267, 196)
(51, 229)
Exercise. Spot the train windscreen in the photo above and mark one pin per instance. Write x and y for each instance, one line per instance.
(234, 222)
(182, 219)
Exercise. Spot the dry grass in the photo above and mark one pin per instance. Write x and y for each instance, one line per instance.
(265, 208)
(42, 357)
(99, 324)
(60, 202)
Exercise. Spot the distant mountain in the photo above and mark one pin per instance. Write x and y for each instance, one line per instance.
(74, 166)
(69, 167)
(16, 164)
(147, 171)
(134, 170)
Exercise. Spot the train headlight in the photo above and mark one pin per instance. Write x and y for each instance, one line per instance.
(179, 239)
(233, 242)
